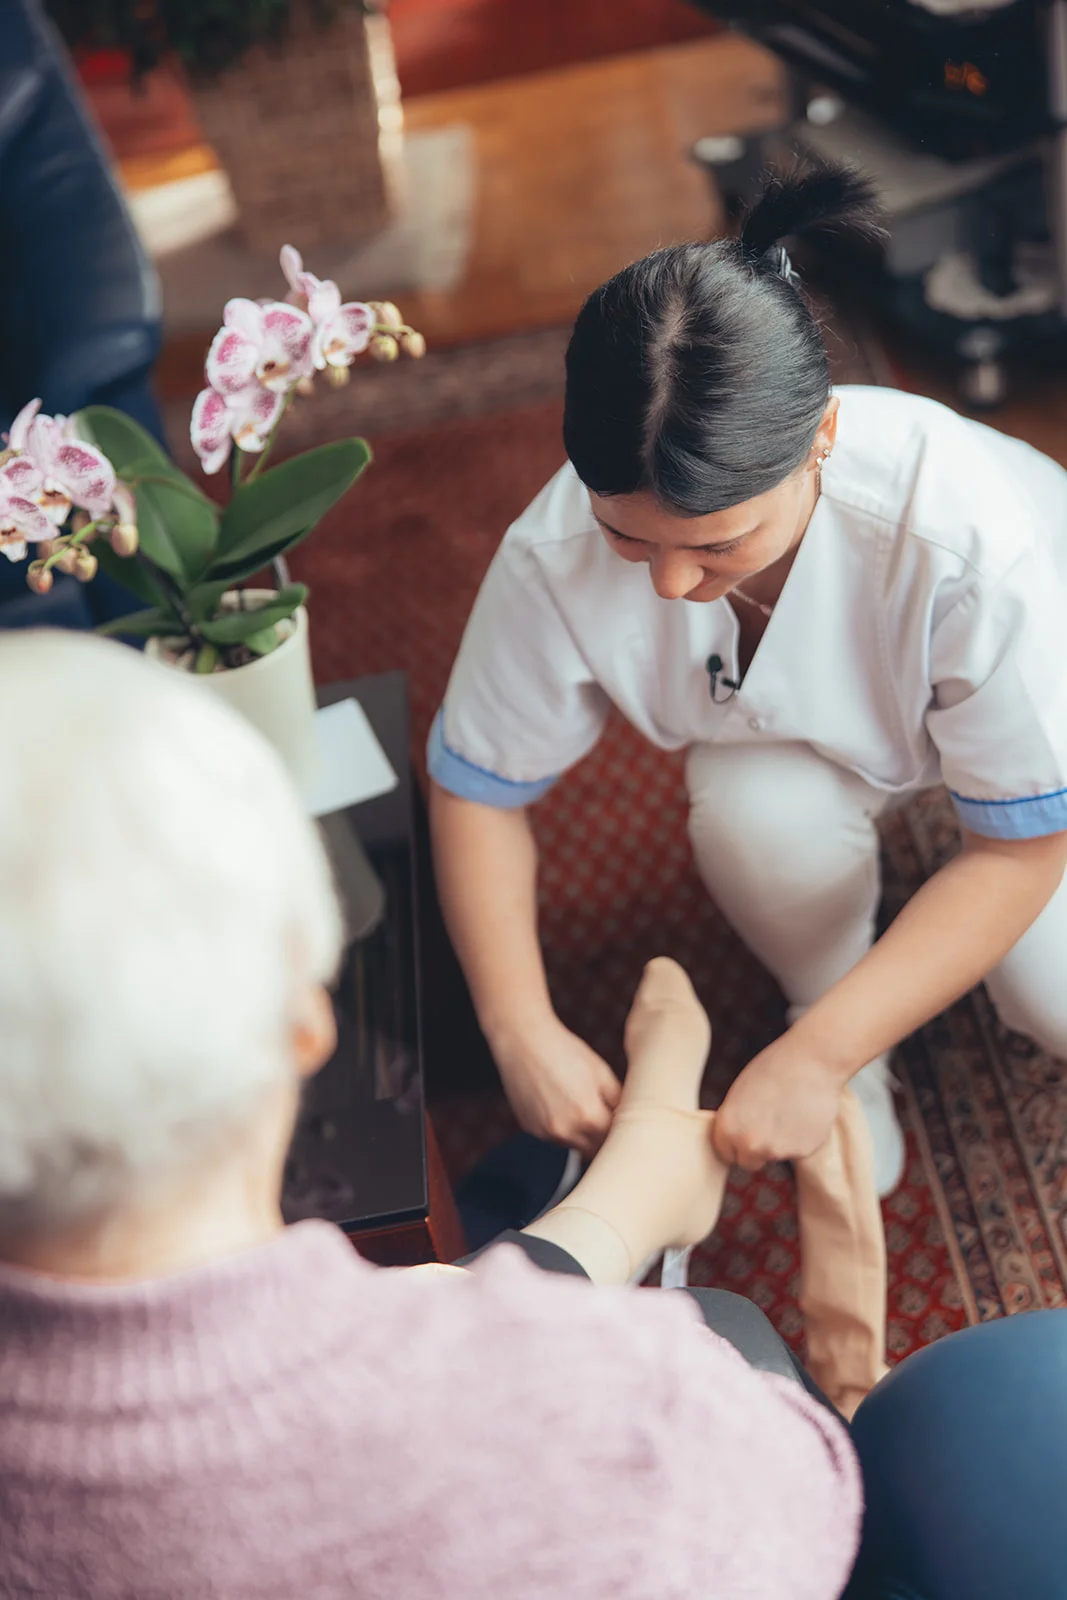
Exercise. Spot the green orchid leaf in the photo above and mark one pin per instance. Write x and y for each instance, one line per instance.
(121, 439)
(158, 622)
(238, 627)
(274, 511)
(203, 599)
(264, 642)
(179, 526)
(133, 574)
(238, 571)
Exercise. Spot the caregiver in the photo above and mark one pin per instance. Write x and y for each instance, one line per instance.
(878, 604)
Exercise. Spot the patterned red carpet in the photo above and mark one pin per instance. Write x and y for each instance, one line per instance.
(978, 1228)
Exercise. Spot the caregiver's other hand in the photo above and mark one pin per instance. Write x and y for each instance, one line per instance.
(780, 1108)
(558, 1087)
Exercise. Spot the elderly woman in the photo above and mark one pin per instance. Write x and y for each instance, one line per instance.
(198, 1402)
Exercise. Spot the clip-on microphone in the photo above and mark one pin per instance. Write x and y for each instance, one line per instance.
(714, 666)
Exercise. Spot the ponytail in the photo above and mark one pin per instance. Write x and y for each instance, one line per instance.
(699, 374)
(826, 200)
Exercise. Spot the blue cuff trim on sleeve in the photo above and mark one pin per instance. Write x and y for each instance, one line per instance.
(463, 778)
(1030, 818)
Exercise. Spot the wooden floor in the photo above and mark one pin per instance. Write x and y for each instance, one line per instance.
(584, 169)
(578, 171)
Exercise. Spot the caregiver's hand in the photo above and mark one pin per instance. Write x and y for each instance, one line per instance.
(558, 1087)
(781, 1107)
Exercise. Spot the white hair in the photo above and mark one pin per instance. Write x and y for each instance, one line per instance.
(164, 904)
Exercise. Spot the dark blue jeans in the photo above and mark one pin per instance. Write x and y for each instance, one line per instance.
(964, 1456)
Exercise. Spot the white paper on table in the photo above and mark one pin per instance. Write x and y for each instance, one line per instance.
(352, 764)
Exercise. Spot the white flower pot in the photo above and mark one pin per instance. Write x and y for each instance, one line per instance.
(276, 693)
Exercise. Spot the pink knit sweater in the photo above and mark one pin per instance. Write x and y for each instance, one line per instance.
(293, 1424)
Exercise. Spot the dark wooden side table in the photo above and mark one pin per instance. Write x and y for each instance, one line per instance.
(364, 1153)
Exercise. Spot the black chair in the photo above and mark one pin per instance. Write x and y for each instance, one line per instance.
(958, 85)
(79, 301)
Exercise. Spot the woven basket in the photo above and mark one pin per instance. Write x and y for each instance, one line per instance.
(308, 131)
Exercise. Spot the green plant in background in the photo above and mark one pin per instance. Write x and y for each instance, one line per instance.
(206, 36)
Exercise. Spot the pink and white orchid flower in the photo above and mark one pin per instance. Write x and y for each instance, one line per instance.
(245, 418)
(269, 344)
(342, 332)
(69, 472)
(21, 519)
(316, 296)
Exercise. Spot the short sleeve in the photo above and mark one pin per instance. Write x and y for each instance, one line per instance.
(999, 718)
(522, 705)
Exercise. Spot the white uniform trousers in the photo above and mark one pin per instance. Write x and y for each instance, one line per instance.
(786, 844)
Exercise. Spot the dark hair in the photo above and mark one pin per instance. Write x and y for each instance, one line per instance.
(699, 374)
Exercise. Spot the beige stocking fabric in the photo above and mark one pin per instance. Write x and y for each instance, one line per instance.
(658, 1183)
(843, 1261)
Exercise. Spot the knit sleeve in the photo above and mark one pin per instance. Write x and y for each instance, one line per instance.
(716, 1478)
(783, 1461)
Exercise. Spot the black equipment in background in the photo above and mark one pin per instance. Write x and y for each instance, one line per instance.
(960, 117)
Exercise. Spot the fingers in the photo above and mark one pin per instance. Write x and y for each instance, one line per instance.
(734, 1147)
(610, 1089)
(595, 1123)
(588, 1138)
(590, 1145)
(583, 1129)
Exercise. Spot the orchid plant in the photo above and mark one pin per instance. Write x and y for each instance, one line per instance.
(97, 492)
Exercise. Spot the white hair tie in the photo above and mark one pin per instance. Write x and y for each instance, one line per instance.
(783, 266)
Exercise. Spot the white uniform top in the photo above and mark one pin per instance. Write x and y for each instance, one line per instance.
(921, 636)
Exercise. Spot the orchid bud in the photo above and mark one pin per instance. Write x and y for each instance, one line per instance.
(337, 377)
(39, 578)
(67, 557)
(80, 520)
(383, 347)
(85, 566)
(413, 344)
(304, 387)
(124, 539)
(387, 314)
(124, 503)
